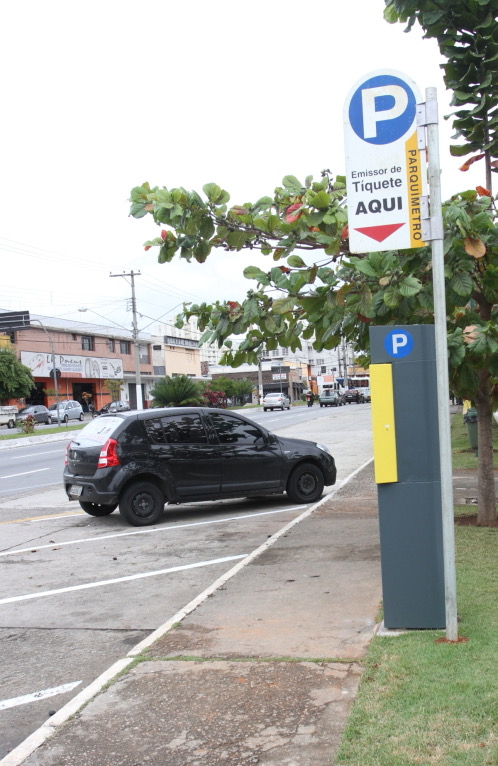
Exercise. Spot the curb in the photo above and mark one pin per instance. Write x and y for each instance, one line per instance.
(13, 443)
(17, 756)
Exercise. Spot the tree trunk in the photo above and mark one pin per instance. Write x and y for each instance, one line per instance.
(486, 494)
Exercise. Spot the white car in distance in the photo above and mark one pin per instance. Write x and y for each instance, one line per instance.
(276, 401)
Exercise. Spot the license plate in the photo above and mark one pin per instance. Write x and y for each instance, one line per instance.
(75, 491)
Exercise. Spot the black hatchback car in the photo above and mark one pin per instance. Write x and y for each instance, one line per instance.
(142, 460)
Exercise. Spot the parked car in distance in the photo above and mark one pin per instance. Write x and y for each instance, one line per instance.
(353, 395)
(366, 394)
(112, 407)
(276, 401)
(8, 415)
(68, 410)
(143, 459)
(331, 398)
(37, 411)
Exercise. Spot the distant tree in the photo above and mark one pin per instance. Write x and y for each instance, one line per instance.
(178, 391)
(114, 387)
(243, 388)
(16, 380)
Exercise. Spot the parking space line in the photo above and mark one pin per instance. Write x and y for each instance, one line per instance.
(24, 473)
(35, 696)
(115, 580)
(145, 531)
(37, 454)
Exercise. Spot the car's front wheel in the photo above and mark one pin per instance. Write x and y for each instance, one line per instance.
(49, 421)
(305, 484)
(96, 509)
(142, 504)
(81, 417)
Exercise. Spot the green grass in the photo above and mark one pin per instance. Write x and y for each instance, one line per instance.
(462, 455)
(18, 434)
(422, 702)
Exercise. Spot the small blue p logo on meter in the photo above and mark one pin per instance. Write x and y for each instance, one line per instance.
(398, 343)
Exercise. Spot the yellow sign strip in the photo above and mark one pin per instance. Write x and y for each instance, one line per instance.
(383, 424)
(415, 189)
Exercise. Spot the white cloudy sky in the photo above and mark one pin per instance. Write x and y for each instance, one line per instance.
(98, 97)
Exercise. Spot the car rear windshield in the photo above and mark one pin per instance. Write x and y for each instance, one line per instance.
(100, 429)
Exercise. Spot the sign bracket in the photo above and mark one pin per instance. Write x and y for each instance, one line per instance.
(432, 226)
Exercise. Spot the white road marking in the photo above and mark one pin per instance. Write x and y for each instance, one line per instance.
(37, 454)
(35, 696)
(113, 581)
(13, 475)
(142, 531)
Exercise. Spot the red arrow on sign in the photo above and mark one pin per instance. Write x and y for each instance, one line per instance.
(380, 233)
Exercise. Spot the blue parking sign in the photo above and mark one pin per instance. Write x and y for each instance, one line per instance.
(398, 343)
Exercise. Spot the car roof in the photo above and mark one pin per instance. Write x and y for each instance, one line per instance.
(159, 411)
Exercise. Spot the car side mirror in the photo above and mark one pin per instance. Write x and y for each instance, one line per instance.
(272, 439)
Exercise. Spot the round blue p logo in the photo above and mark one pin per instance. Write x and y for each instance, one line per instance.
(382, 109)
(398, 343)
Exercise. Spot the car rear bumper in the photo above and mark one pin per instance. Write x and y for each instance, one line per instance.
(91, 491)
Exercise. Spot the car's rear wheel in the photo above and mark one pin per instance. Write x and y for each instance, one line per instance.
(49, 420)
(11, 424)
(96, 509)
(305, 484)
(142, 504)
(81, 416)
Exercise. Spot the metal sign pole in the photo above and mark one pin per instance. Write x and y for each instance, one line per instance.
(436, 227)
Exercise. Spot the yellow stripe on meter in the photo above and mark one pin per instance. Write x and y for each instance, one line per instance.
(384, 430)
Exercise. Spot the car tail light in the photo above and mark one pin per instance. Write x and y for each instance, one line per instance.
(108, 454)
(67, 453)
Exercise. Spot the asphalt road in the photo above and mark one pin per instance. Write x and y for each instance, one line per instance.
(77, 592)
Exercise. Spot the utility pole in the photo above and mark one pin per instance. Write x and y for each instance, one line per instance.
(138, 379)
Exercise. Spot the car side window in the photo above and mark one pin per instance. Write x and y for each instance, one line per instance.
(231, 430)
(184, 429)
(154, 430)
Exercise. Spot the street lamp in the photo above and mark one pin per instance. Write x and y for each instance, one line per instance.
(54, 369)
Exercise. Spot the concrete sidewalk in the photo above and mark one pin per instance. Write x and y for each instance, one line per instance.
(262, 669)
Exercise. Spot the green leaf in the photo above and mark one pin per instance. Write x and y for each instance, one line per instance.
(392, 297)
(461, 284)
(206, 227)
(236, 239)
(321, 200)
(364, 266)
(137, 210)
(410, 286)
(283, 305)
(291, 183)
(459, 150)
(295, 261)
(263, 203)
(212, 192)
(253, 272)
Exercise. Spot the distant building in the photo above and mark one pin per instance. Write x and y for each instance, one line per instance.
(85, 355)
